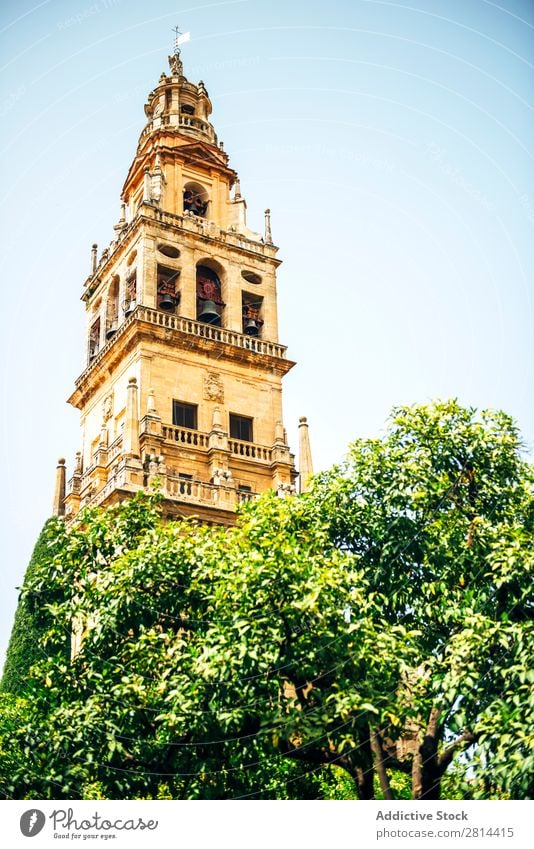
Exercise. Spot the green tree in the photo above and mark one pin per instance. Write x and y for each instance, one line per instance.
(439, 515)
(364, 635)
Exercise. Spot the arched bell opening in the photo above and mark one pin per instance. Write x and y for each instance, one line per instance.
(130, 296)
(209, 295)
(251, 309)
(196, 200)
(112, 311)
(94, 332)
(168, 295)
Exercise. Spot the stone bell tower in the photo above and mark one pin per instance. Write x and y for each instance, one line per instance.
(183, 380)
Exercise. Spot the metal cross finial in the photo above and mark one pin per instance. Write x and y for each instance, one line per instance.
(177, 33)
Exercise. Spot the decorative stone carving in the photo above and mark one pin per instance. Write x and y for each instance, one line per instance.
(213, 387)
(107, 407)
(176, 65)
(222, 477)
(285, 489)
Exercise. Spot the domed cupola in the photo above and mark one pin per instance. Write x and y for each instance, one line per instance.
(177, 104)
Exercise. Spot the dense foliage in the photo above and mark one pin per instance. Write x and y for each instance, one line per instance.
(370, 637)
(24, 645)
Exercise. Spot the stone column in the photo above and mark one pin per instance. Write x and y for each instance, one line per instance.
(146, 185)
(131, 425)
(58, 506)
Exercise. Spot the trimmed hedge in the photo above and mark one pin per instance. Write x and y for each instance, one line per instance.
(23, 649)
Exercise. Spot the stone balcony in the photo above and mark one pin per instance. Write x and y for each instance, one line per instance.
(183, 436)
(175, 490)
(108, 473)
(191, 331)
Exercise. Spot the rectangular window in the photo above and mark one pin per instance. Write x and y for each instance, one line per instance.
(241, 427)
(184, 415)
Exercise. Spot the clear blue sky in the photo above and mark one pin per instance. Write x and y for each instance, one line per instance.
(392, 142)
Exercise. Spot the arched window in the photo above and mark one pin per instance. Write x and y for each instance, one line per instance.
(94, 338)
(167, 282)
(209, 301)
(112, 313)
(196, 199)
(251, 308)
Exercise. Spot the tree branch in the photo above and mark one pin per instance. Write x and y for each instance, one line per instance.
(378, 752)
(448, 754)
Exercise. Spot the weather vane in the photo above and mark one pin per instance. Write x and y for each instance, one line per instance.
(175, 62)
(179, 38)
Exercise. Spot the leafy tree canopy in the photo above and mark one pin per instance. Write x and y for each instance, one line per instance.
(372, 636)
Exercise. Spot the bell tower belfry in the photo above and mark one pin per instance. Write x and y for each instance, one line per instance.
(183, 379)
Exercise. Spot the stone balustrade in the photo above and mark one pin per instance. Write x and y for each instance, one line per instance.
(115, 449)
(186, 223)
(190, 327)
(199, 492)
(209, 331)
(250, 450)
(185, 436)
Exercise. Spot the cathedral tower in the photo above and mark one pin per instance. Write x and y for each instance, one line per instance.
(183, 382)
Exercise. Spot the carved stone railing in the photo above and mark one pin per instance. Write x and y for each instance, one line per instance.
(209, 331)
(199, 492)
(115, 449)
(185, 436)
(209, 229)
(191, 327)
(250, 450)
(187, 223)
(103, 493)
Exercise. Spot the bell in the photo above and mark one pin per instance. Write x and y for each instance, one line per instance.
(129, 307)
(209, 313)
(250, 327)
(166, 302)
(110, 331)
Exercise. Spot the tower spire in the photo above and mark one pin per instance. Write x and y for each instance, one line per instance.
(305, 457)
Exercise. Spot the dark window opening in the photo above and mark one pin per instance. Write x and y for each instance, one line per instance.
(187, 109)
(184, 415)
(94, 338)
(167, 280)
(241, 428)
(209, 302)
(130, 301)
(113, 307)
(251, 277)
(195, 201)
(251, 307)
